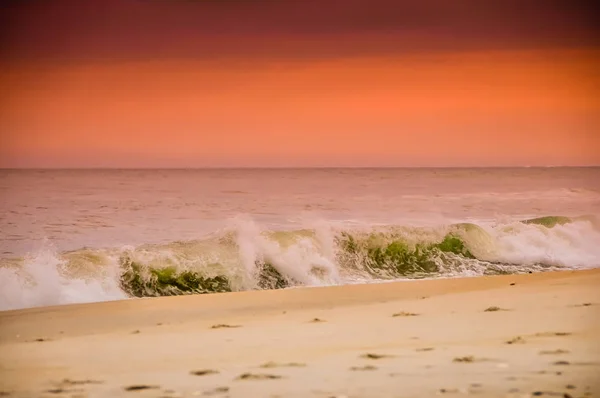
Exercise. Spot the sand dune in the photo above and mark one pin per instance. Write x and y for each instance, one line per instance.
(501, 336)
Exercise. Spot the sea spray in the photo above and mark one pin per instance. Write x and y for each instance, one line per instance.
(46, 278)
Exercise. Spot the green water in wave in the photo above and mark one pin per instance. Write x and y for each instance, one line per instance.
(378, 253)
(549, 221)
(140, 280)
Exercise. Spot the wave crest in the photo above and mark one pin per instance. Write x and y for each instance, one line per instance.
(247, 258)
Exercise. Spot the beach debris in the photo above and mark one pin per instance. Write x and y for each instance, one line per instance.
(554, 352)
(363, 368)
(224, 326)
(272, 364)
(467, 359)
(317, 320)
(516, 340)
(404, 313)
(216, 391)
(203, 372)
(375, 356)
(512, 284)
(570, 387)
(258, 376)
(136, 332)
(425, 349)
(494, 309)
(41, 340)
(140, 387)
(561, 363)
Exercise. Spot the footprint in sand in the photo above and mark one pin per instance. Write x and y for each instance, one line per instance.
(61, 391)
(375, 356)
(168, 393)
(268, 365)
(404, 313)
(225, 326)
(216, 391)
(554, 352)
(550, 393)
(41, 340)
(363, 368)
(204, 372)
(258, 376)
(70, 382)
(552, 334)
(467, 359)
(66, 386)
(516, 340)
(140, 387)
(576, 363)
(495, 309)
(449, 390)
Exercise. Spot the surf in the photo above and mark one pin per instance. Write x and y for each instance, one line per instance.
(247, 257)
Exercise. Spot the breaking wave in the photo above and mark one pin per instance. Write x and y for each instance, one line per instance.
(244, 257)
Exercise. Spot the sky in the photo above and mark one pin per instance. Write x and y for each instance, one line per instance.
(298, 83)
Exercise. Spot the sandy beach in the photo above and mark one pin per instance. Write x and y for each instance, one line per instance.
(501, 336)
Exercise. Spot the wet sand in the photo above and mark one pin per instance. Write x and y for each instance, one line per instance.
(501, 336)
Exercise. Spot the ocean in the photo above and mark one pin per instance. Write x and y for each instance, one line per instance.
(75, 236)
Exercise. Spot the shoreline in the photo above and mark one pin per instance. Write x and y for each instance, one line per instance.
(418, 328)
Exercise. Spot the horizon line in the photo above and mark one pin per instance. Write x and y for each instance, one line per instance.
(83, 168)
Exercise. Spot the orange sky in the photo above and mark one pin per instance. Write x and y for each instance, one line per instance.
(469, 107)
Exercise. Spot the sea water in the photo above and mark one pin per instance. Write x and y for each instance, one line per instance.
(70, 236)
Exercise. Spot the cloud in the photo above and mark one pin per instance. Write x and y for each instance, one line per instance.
(122, 29)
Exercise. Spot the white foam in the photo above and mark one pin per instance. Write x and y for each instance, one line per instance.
(572, 245)
(295, 261)
(40, 283)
